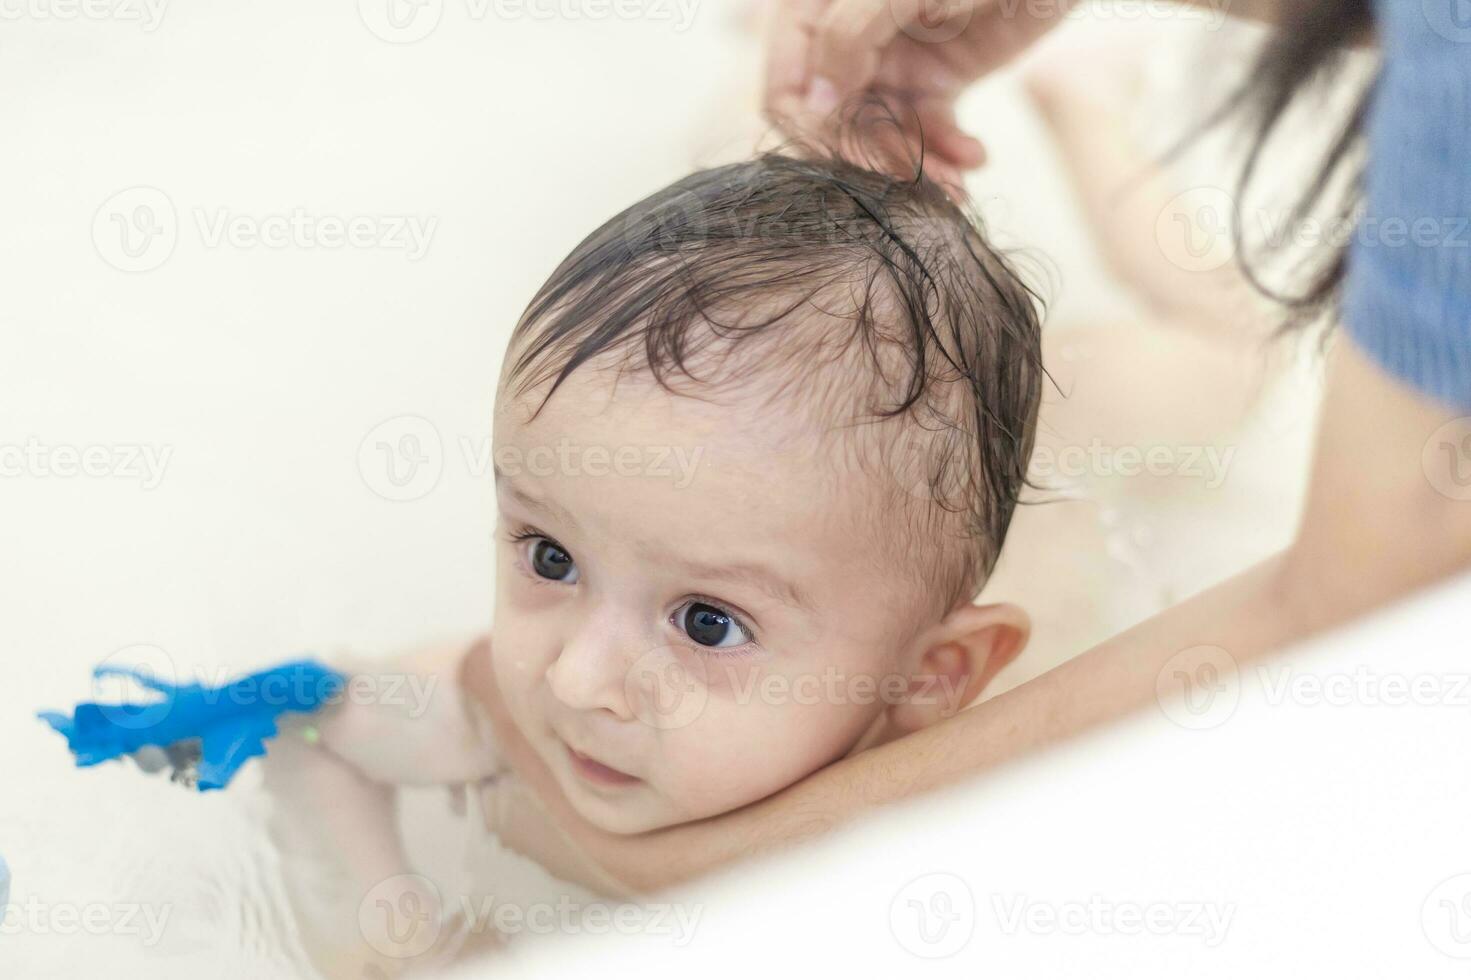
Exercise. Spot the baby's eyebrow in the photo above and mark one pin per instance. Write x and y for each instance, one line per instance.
(756, 575)
(507, 485)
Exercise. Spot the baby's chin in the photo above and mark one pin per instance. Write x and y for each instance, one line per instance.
(635, 814)
(637, 809)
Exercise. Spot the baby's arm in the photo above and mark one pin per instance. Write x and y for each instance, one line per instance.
(409, 722)
(360, 909)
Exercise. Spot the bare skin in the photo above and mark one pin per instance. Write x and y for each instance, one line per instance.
(917, 57)
(1374, 529)
(1374, 526)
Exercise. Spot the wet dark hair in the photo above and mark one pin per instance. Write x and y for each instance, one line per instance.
(872, 297)
(1305, 52)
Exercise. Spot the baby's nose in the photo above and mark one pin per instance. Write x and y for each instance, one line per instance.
(591, 671)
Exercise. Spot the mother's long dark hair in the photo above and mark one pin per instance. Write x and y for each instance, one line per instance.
(1308, 49)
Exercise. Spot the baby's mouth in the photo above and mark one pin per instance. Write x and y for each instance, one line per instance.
(596, 772)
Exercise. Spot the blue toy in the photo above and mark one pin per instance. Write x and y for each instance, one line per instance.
(202, 734)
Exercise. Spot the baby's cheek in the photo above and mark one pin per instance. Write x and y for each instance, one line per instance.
(520, 663)
(743, 749)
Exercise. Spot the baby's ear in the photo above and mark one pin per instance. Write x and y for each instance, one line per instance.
(955, 660)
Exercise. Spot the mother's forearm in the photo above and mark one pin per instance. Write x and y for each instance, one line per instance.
(1376, 525)
(1246, 616)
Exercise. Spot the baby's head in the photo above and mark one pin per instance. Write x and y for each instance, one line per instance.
(757, 444)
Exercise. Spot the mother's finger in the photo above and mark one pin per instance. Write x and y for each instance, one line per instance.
(901, 134)
(788, 45)
(943, 136)
(850, 39)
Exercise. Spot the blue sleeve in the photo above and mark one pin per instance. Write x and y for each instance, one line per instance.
(1407, 295)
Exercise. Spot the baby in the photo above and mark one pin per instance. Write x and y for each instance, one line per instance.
(757, 442)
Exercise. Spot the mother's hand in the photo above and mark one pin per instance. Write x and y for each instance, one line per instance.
(914, 56)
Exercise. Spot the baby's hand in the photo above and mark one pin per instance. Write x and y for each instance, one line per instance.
(409, 722)
(331, 778)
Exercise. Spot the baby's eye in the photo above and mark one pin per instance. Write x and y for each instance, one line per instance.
(710, 626)
(551, 561)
